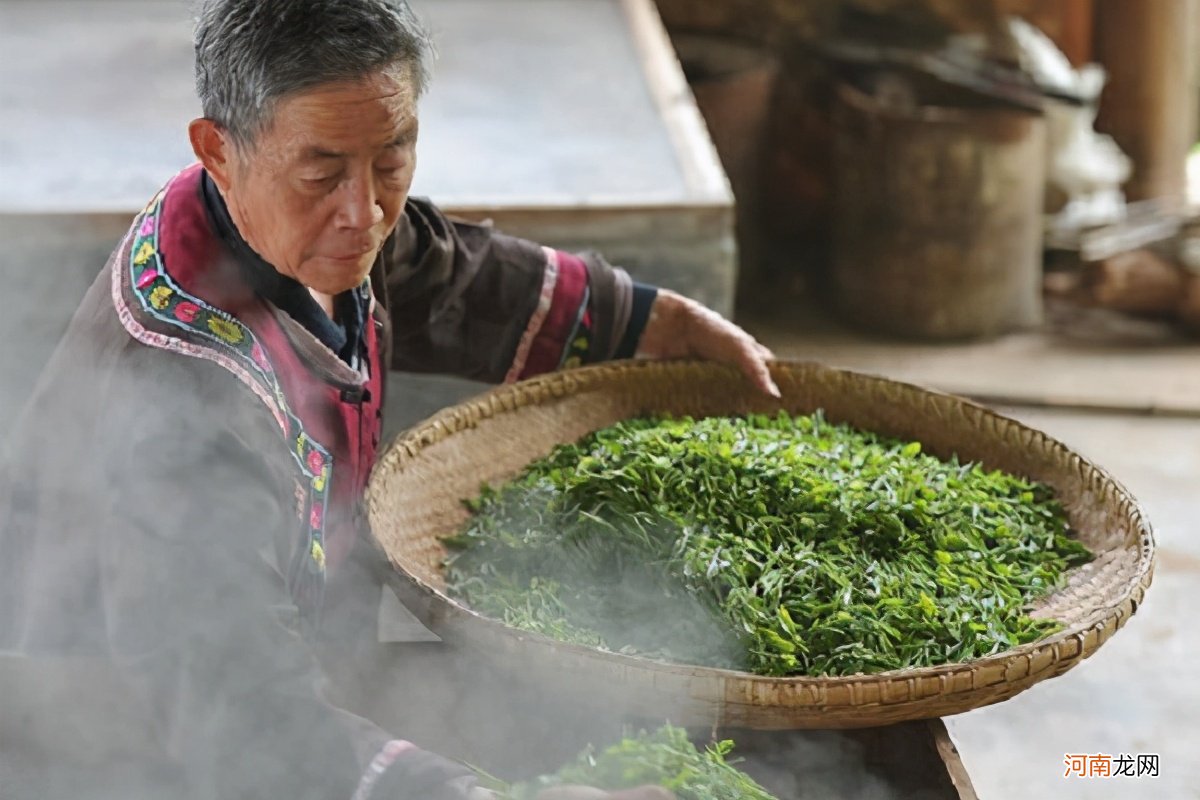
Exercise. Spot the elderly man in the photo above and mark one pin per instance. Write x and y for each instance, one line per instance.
(183, 496)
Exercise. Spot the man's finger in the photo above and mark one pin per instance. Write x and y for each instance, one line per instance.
(764, 381)
(724, 341)
(755, 368)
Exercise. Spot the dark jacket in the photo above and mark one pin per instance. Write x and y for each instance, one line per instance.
(180, 514)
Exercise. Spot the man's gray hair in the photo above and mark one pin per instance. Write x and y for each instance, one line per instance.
(252, 53)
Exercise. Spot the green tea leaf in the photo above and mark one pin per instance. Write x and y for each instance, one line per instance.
(782, 545)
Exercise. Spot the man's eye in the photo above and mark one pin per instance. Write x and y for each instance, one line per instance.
(317, 179)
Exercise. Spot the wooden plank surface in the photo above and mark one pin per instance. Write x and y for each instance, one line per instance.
(542, 103)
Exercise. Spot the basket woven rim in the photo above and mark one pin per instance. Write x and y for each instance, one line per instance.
(1067, 645)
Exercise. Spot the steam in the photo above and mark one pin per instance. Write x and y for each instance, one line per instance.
(75, 736)
(72, 726)
(832, 765)
(562, 713)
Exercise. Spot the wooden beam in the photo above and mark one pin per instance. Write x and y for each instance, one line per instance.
(948, 753)
(1148, 105)
(664, 75)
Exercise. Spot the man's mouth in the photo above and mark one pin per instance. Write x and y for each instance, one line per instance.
(356, 256)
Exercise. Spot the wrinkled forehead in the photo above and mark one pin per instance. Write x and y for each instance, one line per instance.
(347, 117)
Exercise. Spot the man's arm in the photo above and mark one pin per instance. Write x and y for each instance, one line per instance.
(467, 300)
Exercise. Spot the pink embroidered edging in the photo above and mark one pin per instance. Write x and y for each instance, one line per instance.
(164, 342)
(379, 765)
(549, 279)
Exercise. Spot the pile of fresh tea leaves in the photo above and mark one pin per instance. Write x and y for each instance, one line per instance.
(783, 545)
(663, 758)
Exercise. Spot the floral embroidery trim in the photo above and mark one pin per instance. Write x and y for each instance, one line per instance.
(160, 297)
(229, 332)
(232, 345)
(579, 342)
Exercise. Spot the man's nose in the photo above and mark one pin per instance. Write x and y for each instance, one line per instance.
(358, 206)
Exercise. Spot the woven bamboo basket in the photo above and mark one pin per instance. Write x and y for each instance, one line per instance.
(419, 484)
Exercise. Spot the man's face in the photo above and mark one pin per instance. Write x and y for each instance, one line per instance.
(323, 185)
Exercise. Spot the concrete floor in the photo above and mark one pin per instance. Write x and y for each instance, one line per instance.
(1138, 693)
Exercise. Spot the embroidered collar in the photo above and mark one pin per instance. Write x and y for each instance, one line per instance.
(344, 334)
(193, 327)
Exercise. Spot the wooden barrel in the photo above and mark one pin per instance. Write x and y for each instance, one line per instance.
(937, 217)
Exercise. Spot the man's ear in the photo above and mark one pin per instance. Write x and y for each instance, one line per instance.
(214, 148)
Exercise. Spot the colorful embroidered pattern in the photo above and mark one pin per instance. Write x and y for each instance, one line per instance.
(579, 343)
(230, 340)
(557, 329)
